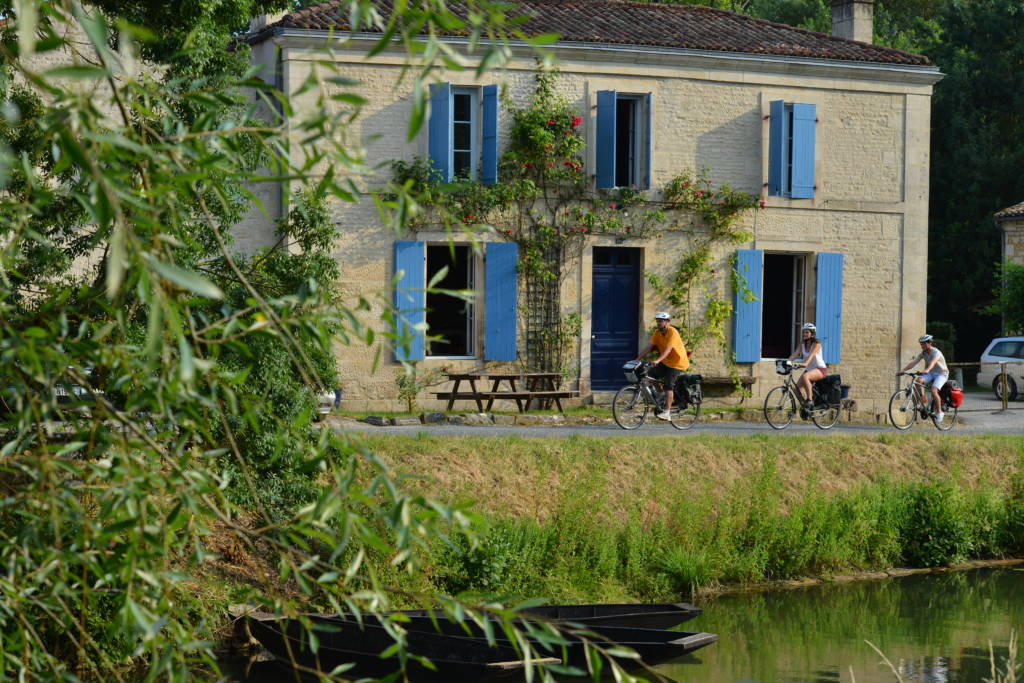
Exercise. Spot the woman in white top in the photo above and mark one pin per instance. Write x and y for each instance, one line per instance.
(811, 359)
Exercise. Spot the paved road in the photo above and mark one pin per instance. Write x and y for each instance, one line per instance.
(983, 414)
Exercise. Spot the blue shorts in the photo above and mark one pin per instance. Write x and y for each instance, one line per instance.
(934, 379)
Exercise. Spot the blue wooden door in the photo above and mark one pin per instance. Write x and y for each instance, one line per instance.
(615, 315)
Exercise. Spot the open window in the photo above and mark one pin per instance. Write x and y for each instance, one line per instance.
(784, 309)
(450, 317)
(771, 303)
(463, 132)
(455, 319)
(623, 140)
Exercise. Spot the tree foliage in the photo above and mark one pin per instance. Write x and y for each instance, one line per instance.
(156, 384)
(1009, 298)
(977, 163)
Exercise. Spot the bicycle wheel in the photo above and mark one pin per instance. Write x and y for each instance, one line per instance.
(902, 411)
(950, 418)
(629, 407)
(825, 417)
(779, 407)
(685, 417)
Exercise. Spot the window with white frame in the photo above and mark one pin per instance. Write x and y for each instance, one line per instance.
(462, 132)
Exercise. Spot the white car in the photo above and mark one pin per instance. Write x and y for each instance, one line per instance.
(1003, 350)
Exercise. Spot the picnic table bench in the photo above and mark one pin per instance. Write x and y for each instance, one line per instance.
(539, 386)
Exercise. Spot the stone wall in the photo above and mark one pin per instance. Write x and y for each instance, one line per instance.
(1013, 241)
(871, 201)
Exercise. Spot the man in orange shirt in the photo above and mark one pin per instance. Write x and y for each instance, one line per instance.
(671, 359)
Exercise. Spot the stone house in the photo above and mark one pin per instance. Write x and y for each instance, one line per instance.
(1011, 221)
(829, 132)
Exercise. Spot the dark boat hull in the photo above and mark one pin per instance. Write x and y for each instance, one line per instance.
(458, 656)
(346, 643)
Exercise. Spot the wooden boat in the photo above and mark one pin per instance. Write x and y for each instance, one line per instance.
(635, 615)
(345, 643)
(457, 655)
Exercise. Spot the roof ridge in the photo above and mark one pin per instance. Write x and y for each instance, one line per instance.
(681, 26)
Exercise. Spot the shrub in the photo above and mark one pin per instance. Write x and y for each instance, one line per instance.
(935, 530)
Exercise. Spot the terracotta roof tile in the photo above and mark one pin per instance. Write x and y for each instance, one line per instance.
(1015, 211)
(647, 24)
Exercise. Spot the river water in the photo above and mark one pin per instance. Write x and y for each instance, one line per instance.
(931, 627)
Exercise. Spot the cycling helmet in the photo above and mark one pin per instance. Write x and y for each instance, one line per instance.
(924, 338)
(808, 326)
(662, 316)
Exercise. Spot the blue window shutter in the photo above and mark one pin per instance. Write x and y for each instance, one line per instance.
(804, 118)
(776, 147)
(500, 300)
(489, 156)
(439, 130)
(649, 118)
(828, 314)
(606, 139)
(410, 298)
(746, 339)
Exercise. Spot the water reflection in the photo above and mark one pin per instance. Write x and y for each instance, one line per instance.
(933, 627)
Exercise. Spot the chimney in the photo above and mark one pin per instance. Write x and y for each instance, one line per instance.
(853, 19)
(264, 20)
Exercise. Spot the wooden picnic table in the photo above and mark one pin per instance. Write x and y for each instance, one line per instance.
(522, 387)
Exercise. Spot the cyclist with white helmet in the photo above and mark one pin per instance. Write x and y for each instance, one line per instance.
(812, 360)
(672, 358)
(935, 372)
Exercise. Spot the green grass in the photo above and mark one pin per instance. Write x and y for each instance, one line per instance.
(614, 519)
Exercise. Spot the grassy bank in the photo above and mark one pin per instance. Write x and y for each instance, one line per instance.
(583, 519)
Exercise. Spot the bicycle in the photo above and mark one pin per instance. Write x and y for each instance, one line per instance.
(780, 405)
(905, 405)
(633, 401)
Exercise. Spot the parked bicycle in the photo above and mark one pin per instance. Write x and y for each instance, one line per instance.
(634, 401)
(906, 405)
(783, 402)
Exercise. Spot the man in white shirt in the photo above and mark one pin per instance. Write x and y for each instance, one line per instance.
(935, 372)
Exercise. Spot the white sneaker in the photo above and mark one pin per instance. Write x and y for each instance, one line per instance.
(939, 416)
(663, 415)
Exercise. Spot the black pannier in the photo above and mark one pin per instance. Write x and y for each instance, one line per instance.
(688, 387)
(832, 389)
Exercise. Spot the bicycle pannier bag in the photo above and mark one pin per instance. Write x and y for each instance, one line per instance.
(833, 389)
(688, 387)
(953, 393)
